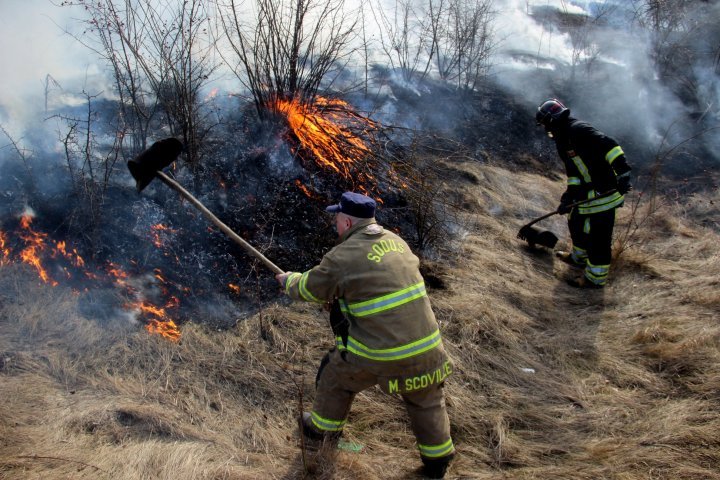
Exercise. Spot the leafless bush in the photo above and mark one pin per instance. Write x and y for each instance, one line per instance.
(463, 39)
(161, 58)
(90, 165)
(453, 35)
(405, 36)
(288, 49)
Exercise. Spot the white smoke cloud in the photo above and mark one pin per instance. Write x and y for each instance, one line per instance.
(34, 46)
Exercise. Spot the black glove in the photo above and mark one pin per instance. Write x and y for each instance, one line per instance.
(624, 184)
(564, 208)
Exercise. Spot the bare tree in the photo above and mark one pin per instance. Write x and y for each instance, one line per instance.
(406, 36)
(161, 57)
(288, 49)
(464, 40)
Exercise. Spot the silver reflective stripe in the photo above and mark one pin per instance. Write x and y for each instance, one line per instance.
(613, 154)
(573, 181)
(397, 353)
(579, 255)
(597, 273)
(435, 451)
(389, 301)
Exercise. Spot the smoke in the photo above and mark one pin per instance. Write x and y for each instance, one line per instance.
(595, 57)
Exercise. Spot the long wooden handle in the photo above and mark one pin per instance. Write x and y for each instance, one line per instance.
(188, 196)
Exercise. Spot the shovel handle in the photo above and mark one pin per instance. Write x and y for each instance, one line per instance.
(572, 205)
(188, 196)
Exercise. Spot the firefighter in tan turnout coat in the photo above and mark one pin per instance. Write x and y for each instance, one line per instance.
(390, 337)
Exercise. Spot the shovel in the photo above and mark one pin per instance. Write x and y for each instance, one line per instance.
(161, 154)
(546, 238)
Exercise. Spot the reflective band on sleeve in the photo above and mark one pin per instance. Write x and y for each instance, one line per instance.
(582, 168)
(302, 286)
(613, 154)
(586, 225)
(573, 181)
(397, 353)
(389, 301)
(602, 204)
(325, 424)
(435, 451)
(290, 278)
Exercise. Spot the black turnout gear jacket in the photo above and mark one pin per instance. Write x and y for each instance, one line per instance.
(593, 163)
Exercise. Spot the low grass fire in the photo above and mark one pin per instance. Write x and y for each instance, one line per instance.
(56, 263)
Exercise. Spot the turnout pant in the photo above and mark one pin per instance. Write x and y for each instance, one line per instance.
(592, 242)
(338, 382)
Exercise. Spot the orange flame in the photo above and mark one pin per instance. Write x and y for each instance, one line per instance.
(325, 128)
(160, 233)
(35, 247)
(4, 251)
(162, 325)
(234, 288)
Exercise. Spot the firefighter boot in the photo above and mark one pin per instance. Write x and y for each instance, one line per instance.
(567, 257)
(436, 467)
(311, 433)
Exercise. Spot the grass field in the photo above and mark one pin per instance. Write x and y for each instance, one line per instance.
(550, 382)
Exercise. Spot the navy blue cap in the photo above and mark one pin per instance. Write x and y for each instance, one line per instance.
(355, 205)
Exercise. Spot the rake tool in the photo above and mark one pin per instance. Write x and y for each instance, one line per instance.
(149, 164)
(546, 238)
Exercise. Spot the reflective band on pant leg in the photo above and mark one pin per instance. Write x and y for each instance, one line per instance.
(579, 255)
(430, 422)
(597, 273)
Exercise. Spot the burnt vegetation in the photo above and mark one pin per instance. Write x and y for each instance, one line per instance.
(548, 384)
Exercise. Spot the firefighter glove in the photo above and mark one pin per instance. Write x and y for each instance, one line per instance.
(564, 208)
(624, 184)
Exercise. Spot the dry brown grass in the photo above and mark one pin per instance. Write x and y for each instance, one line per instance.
(550, 382)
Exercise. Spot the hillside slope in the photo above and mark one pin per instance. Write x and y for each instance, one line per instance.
(549, 382)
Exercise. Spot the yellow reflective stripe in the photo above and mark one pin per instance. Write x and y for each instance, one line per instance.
(602, 204)
(586, 226)
(579, 255)
(389, 301)
(302, 286)
(613, 154)
(339, 343)
(573, 181)
(289, 279)
(343, 306)
(582, 168)
(326, 424)
(435, 451)
(597, 271)
(397, 353)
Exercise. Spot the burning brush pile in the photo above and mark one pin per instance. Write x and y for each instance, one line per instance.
(153, 259)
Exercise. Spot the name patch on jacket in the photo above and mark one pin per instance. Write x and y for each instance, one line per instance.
(382, 248)
(418, 382)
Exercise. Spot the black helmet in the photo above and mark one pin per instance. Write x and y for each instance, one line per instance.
(551, 111)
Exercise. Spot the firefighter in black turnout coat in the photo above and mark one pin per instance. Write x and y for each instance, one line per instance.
(596, 169)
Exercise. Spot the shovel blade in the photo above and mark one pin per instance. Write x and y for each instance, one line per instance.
(158, 156)
(536, 237)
